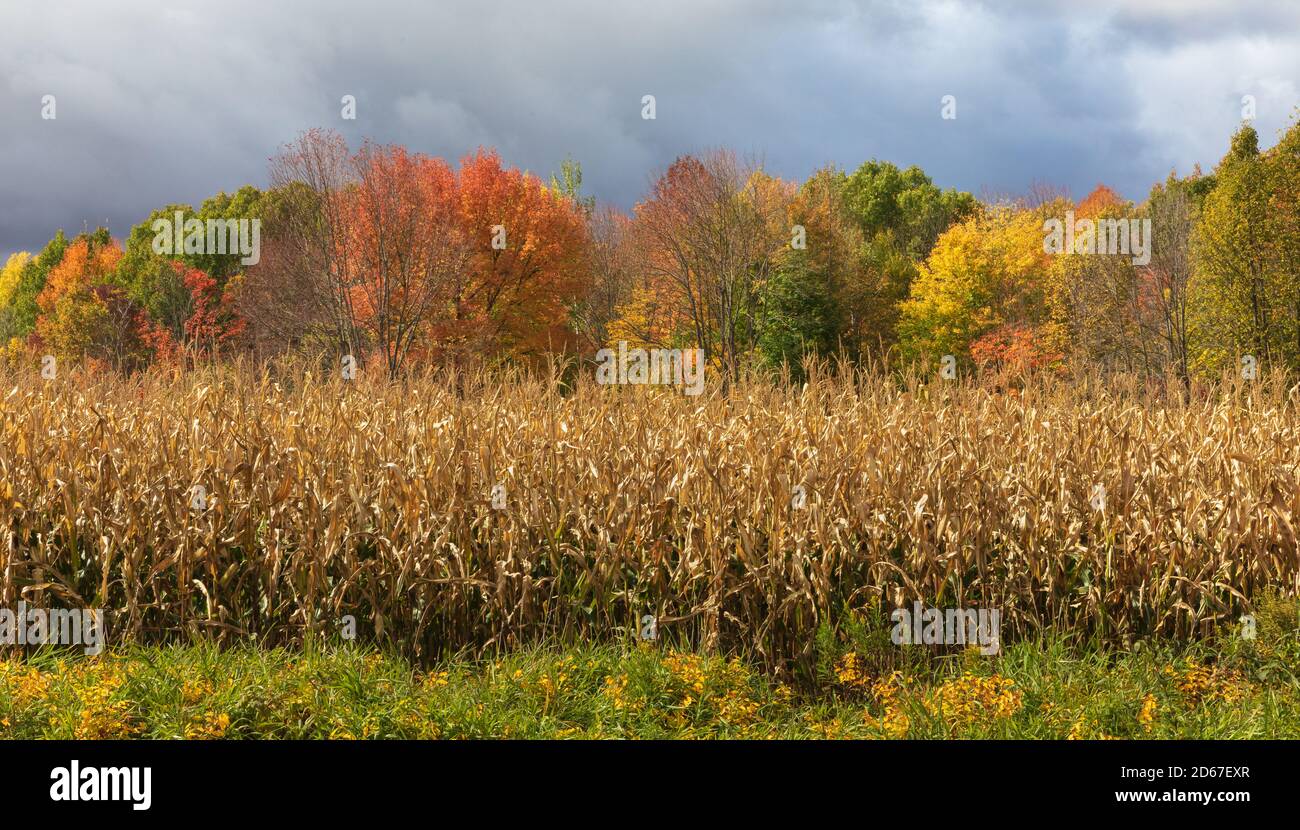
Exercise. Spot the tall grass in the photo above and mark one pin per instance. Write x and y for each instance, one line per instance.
(374, 498)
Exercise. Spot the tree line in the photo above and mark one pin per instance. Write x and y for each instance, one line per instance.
(401, 259)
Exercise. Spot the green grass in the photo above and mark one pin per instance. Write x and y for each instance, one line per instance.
(859, 686)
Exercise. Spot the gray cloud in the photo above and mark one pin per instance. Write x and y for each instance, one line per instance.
(159, 106)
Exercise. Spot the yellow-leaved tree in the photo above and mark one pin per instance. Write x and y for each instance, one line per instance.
(985, 274)
(10, 342)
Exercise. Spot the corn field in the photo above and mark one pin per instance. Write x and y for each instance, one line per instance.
(459, 514)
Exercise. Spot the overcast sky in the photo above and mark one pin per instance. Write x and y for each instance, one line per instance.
(157, 105)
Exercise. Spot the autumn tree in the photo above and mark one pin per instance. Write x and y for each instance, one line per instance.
(1283, 162)
(816, 290)
(388, 250)
(409, 247)
(22, 307)
(285, 303)
(86, 314)
(213, 322)
(707, 238)
(1097, 292)
(900, 214)
(1172, 209)
(984, 273)
(153, 280)
(1245, 292)
(528, 263)
(10, 277)
(612, 270)
(307, 284)
(157, 281)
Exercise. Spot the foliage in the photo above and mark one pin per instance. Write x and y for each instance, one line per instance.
(650, 691)
(985, 272)
(388, 254)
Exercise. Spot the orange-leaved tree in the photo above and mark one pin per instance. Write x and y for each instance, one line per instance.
(409, 249)
(529, 262)
(392, 251)
(85, 315)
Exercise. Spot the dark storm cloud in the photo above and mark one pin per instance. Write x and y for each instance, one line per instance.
(158, 106)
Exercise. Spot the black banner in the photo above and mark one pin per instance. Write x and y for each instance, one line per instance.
(135, 781)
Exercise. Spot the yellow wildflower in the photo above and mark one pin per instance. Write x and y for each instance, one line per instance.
(970, 700)
(1147, 714)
